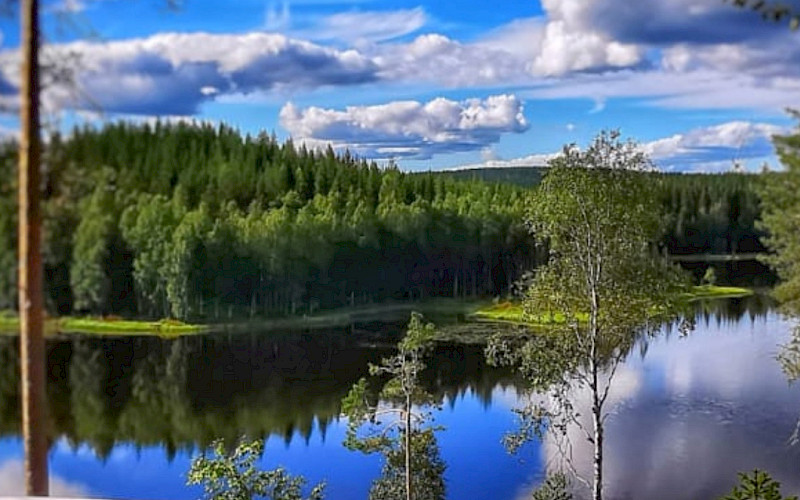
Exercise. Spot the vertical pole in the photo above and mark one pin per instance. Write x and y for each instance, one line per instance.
(34, 413)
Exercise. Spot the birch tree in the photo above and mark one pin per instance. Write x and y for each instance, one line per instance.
(413, 467)
(604, 285)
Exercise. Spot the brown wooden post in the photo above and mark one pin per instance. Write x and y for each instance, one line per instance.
(34, 412)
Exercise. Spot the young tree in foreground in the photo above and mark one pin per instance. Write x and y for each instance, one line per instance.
(603, 286)
(554, 487)
(773, 10)
(413, 467)
(780, 202)
(757, 486)
(234, 476)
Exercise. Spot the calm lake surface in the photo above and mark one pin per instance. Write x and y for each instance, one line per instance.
(129, 413)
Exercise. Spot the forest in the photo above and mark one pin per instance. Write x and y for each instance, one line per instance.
(201, 222)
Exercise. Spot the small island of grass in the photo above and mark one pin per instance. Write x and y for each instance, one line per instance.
(511, 312)
(717, 292)
(508, 311)
(109, 325)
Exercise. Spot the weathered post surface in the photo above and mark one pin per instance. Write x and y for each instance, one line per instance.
(34, 413)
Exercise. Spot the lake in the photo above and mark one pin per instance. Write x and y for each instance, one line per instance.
(127, 414)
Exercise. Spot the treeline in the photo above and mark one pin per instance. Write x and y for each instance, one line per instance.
(704, 213)
(712, 213)
(202, 222)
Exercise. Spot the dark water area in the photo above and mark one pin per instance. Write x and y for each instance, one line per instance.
(749, 273)
(127, 414)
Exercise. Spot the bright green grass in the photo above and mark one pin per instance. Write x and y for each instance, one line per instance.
(501, 312)
(512, 311)
(717, 292)
(9, 324)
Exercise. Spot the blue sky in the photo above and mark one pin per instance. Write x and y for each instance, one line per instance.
(699, 83)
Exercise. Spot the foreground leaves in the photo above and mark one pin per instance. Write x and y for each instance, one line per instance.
(554, 487)
(234, 476)
(396, 422)
(757, 485)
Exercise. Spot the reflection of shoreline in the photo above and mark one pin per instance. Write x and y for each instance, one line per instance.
(692, 411)
(695, 412)
(183, 393)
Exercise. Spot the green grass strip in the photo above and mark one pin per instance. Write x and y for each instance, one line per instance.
(717, 292)
(9, 324)
(512, 311)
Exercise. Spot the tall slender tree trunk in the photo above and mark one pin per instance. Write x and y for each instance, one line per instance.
(597, 420)
(34, 412)
(409, 496)
(597, 403)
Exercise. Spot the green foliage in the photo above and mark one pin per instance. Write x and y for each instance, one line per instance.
(554, 487)
(710, 277)
(95, 238)
(709, 213)
(757, 485)
(427, 470)
(716, 292)
(202, 222)
(521, 176)
(394, 422)
(789, 357)
(599, 216)
(781, 217)
(8, 228)
(773, 10)
(235, 476)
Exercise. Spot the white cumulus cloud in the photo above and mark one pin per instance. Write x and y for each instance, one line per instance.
(709, 148)
(435, 58)
(408, 128)
(705, 149)
(174, 73)
(533, 160)
(573, 42)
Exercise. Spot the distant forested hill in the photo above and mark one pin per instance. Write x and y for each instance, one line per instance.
(202, 222)
(520, 176)
(704, 213)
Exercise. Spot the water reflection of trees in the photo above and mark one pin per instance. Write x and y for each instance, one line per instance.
(732, 311)
(187, 392)
(789, 358)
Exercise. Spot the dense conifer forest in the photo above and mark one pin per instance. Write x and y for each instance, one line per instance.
(202, 222)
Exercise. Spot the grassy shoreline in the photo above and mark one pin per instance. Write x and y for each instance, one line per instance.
(9, 324)
(440, 309)
(437, 310)
(433, 310)
(511, 312)
(702, 292)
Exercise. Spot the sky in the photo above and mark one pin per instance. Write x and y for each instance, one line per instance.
(429, 84)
